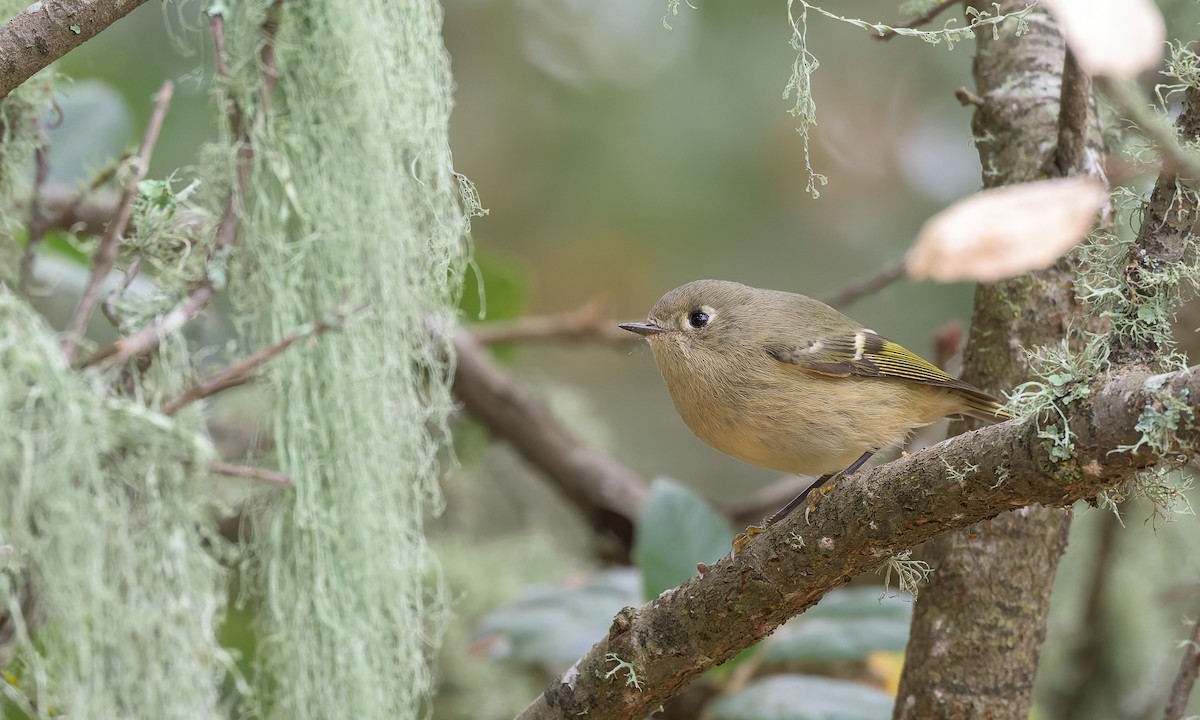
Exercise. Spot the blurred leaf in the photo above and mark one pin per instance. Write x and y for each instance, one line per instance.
(57, 243)
(677, 530)
(504, 287)
(800, 697)
(1003, 232)
(1120, 38)
(848, 624)
(554, 627)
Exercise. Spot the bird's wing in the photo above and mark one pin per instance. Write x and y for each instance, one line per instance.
(867, 354)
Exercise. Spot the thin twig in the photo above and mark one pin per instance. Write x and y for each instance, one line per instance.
(109, 306)
(242, 371)
(37, 221)
(870, 286)
(1189, 668)
(107, 252)
(272, 477)
(593, 321)
(920, 19)
(150, 337)
(74, 203)
(1075, 98)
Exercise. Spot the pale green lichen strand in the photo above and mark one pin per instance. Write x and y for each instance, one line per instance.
(105, 511)
(354, 201)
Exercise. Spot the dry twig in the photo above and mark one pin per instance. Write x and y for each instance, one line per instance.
(273, 477)
(870, 286)
(593, 321)
(109, 306)
(243, 371)
(1185, 680)
(922, 19)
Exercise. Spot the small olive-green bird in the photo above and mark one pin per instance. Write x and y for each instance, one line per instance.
(785, 382)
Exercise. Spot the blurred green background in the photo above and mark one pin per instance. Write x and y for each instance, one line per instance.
(619, 159)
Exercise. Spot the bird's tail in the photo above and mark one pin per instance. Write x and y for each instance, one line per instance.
(982, 406)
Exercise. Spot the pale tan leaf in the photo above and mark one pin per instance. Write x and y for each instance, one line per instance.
(1118, 38)
(1001, 233)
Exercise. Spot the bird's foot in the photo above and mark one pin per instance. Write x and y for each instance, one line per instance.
(743, 539)
(813, 498)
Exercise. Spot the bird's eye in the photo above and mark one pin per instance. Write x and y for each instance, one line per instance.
(698, 319)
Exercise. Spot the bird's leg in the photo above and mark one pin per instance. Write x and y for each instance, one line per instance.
(823, 491)
(821, 485)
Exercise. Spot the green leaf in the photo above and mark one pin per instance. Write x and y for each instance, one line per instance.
(56, 243)
(800, 697)
(848, 624)
(677, 530)
(554, 627)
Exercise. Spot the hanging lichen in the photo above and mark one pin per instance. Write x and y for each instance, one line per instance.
(353, 201)
(102, 523)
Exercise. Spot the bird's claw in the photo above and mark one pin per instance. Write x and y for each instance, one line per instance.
(814, 498)
(743, 539)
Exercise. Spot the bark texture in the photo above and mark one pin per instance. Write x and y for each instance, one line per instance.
(978, 627)
(48, 30)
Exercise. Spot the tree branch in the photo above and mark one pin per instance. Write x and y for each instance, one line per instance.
(1185, 680)
(48, 30)
(870, 286)
(922, 19)
(1166, 235)
(593, 321)
(242, 371)
(868, 518)
(1075, 117)
(107, 252)
(608, 494)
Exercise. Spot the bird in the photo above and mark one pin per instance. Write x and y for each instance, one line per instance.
(785, 382)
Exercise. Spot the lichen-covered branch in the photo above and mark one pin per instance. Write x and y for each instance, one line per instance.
(868, 518)
(1164, 239)
(49, 29)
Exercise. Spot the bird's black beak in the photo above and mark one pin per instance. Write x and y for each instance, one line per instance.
(644, 329)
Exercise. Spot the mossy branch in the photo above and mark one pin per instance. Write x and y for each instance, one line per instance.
(868, 518)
